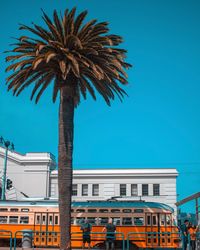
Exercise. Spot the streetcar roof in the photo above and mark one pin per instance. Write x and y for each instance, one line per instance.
(92, 204)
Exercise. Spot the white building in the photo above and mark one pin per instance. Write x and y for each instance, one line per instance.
(157, 185)
(29, 173)
(34, 175)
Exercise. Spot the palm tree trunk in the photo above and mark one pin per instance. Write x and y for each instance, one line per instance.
(65, 151)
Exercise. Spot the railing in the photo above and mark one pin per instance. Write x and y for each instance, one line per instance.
(52, 239)
(101, 237)
(6, 234)
(153, 239)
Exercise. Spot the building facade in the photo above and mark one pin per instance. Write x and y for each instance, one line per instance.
(157, 185)
(35, 175)
(29, 173)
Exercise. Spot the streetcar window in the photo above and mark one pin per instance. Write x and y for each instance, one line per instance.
(72, 220)
(92, 220)
(162, 219)
(13, 219)
(38, 219)
(127, 221)
(92, 210)
(72, 210)
(139, 221)
(115, 210)
(43, 219)
(24, 220)
(14, 210)
(3, 219)
(127, 210)
(80, 220)
(148, 220)
(168, 219)
(103, 210)
(50, 220)
(24, 210)
(154, 220)
(138, 211)
(103, 220)
(3, 209)
(116, 221)
(80, 210)
(56, 220)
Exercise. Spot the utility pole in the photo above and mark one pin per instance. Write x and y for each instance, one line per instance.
(8, 145)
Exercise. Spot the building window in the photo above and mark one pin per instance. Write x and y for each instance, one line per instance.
(156, 189)
(95, 189)
(84, 189)
(74, 189)
(145, 189)
(122, 189)
(134, 190)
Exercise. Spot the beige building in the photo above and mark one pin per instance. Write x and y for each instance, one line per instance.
(35, 175)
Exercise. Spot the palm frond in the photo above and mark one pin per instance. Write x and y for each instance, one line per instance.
(73, 52)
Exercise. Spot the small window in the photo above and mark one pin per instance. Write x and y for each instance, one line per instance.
(138, 221)
(162, 219)
(145, 189)
(38, 219)
(156, 189)
(80, 210)
(138, 211)
(95, 189)
(3, 209)
(122, 189)
(56, 219)
(3, 219)
(24, 220)
(43, 219)
(103, 210)
(116, 221)
(74, 189)
(115, 210)
(84, 189)
(50, 220)
(127, 221)
(24, 210)
(148, 220)
(103, 220)
(154, 220)
(14, 210)
(92, 220)
(72, 220)
(134, 190)
(13, 219)
(168, 220)
(127, 211)
(72, 210)
(80, 220)
(92, 210)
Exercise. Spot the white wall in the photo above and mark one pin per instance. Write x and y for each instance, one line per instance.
(29, 173)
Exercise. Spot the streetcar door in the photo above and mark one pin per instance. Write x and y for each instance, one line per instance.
(41, 226)
(152, 229)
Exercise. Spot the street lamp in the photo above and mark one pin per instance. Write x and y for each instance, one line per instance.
(8, 145)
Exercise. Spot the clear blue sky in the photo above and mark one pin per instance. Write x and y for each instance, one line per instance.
(158, 125)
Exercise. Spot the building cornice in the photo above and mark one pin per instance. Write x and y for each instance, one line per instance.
(164, 172)
(29, 158)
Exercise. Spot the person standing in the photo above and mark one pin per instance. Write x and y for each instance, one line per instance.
(86, 228)
(192, 234)
(184, 231)
(110, 229)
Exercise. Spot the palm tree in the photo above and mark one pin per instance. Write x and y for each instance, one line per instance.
(76, 58)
